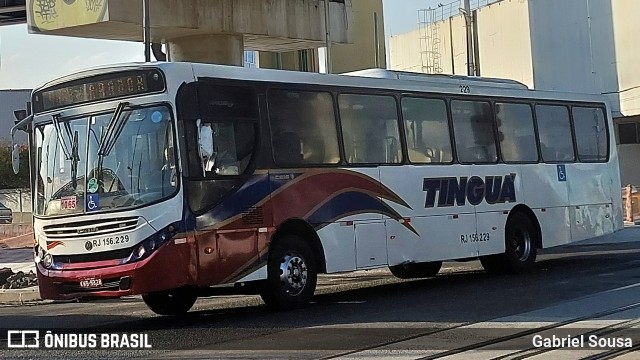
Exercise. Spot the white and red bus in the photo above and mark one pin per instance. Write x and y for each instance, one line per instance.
(179, 180)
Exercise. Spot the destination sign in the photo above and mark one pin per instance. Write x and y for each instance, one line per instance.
(99, 88)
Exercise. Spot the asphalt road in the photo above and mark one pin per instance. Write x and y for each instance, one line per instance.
(461, 312)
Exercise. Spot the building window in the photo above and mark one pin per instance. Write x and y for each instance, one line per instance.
(250, 59)
(628, 133)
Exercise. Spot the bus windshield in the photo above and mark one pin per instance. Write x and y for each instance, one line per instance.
(71, 178)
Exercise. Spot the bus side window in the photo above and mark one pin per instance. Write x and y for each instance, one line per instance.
(303, 128)
(370, 129)
(427, 130)
(554, 129)
(591, 134)
(473, 128)
(516, 132)
(286, 148)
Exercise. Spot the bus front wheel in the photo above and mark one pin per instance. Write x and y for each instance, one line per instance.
(171, 302)
(416, 270)
(291, 274)
(520, 248)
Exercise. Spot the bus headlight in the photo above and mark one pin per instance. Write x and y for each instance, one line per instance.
(152, 243)
(47, 261)
(140, 251)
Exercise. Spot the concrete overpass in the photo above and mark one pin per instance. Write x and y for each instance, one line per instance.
(219, 31)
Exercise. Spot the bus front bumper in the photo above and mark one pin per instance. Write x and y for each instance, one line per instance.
(169, 267)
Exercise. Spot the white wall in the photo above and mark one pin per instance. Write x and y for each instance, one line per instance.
(505, 42)
(404, 52)
(570, 45)
(626, 27)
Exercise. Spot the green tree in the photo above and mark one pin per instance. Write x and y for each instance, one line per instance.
(9, 180)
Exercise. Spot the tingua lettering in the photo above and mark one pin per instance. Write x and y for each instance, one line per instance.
(452, 191)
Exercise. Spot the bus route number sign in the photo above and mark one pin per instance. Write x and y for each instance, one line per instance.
(68, 202)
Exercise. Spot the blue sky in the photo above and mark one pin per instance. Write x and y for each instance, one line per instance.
(28, 60)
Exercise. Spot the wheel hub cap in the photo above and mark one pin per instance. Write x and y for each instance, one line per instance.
(293, 274)
(522, 245)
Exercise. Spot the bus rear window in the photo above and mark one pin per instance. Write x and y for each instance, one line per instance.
(591, 134)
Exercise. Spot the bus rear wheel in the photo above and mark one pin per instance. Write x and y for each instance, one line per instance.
(520, 248)
(291, 274)
(416, 270)
(171, 302)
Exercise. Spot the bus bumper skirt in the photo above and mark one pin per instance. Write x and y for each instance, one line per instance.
(169, 267)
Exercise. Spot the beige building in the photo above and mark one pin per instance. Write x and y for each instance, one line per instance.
(365, 50)
(569, 45)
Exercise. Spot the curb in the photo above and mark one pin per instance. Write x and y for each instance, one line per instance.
(19, 296)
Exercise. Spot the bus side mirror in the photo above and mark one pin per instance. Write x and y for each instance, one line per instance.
(15, 158)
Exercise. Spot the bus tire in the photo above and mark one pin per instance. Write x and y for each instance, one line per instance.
(520, 248)
(416, 270)
(171, 302)
(292, 274)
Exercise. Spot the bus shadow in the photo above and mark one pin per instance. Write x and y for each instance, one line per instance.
(466, 294)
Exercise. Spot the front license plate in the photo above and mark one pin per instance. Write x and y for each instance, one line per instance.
(91, 283)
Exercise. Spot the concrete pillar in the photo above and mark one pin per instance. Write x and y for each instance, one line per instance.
(361, 54)
(213, 49)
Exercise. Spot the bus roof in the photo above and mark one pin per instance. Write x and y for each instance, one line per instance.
(405, 75)
(371, 78)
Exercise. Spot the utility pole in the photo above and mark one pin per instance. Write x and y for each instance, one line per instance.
(466, 11)
(376, 37)
(146, 23)
(327, 29)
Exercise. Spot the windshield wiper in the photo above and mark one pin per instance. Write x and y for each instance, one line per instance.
(68, 154)
(109, 138)
(114, 128)
(63, 143)
(74, 161)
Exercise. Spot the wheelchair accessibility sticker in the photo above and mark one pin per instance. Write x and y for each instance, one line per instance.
(562, 173)
(93, 202)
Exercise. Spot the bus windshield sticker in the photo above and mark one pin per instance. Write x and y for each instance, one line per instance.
(562, 173)
(68, 202)
(93, 202)
(156, 117)
(92, 185)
